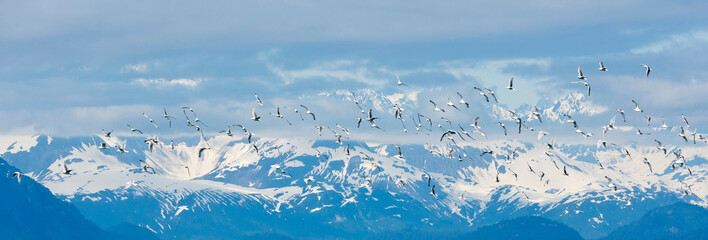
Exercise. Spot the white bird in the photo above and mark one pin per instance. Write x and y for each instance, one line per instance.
(490, 92)
(432, 191)
(586, 84)
(255, 116)
(580, 74)
(475, 124)
(307, 111)
(541, 134)
(150, 119)
(685, 121)
(624, 119)
(399, 152)
(462, 100)
(511, 84)
(602, 67)
(482, 93)
(180, 209)
(648, 69)
(67, 171)
(168, 117)
(435, 107)
(258, 100)
(636, 107)
(399, 81)
(18, 175)
(661, 146)
(663, 123)
(278, 115)
(449, 103)
(103, 145)
(646, 161)
(610, 184)
(504, 127)
(132, 129)
(201, 150)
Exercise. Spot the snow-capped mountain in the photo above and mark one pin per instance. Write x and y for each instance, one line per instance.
(176, 191)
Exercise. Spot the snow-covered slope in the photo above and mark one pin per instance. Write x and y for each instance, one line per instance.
(286, 179)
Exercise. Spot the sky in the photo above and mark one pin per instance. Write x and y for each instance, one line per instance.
(76, 67)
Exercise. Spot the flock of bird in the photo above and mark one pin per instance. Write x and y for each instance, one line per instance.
(448, 131)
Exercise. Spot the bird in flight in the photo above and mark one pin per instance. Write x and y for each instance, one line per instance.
(602, 67)
(580, 74)
(255, 116)
(150, 119)
(67, 171)
(648, 69)
(258, 100)
(511, 84)
(399, 81)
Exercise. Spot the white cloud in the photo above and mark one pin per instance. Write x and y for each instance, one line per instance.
(161, 82)
(338, 70)
(674, 41)
(140, 67)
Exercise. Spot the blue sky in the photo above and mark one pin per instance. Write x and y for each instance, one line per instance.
(74, 68)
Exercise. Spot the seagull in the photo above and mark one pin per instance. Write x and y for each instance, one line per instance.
(103, 146)
(432, 191)
(462, 100)
(682, 134)
(475, 123)
(622, 113)
(580, 74)
(150, 119)
(602, 67)
(201, 150)
(188, 108)
(490, 92)
(399, 81)
(610, 184)
(132, 129)
(646, 161)
(482, 93)
(346, 151)
(663, 123)
(504, 127)
(435, 107)
(448, 133)
(647, 68)
(255, 116)
(67, 171)
(511, 84)
(168, 117)
(584, 83)
(107, 134)
(188, 173)
(639, 132)
(227, 131)
(307, 111)
(636, 107)
(648, 120)
(180, 209)
(449, 103)
(399, 152)
(541, 134)
(370, 117)
(309, 179)
(18, 175)
(278, 115)
(661, 146)
(258, 100)
(685, 121)
(537, 114)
